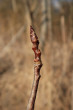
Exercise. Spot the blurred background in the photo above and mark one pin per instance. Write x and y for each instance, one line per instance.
(53, 23)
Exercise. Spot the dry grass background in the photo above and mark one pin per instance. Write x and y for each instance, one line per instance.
(16, 67)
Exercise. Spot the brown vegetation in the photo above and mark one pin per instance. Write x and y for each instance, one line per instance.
(16, 58)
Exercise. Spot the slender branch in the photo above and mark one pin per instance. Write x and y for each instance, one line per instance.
(37, 67)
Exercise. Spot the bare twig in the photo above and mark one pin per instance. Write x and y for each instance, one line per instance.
(14, 6)
(63, 29)
(37, 67)
(44, 28)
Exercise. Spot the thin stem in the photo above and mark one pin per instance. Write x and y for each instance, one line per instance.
(37, 67)
(33, 93)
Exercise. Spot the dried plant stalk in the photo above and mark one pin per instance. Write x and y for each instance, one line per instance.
(37, 67)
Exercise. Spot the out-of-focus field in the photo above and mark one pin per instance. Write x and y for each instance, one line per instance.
(16, 61)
